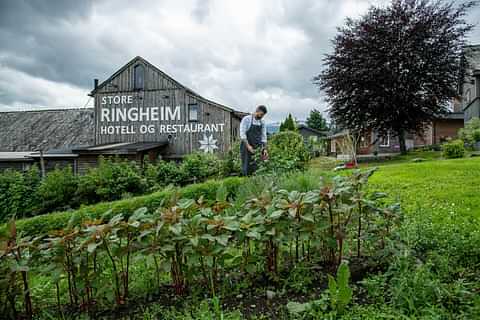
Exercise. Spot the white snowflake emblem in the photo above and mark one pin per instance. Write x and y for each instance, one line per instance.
(208, 144)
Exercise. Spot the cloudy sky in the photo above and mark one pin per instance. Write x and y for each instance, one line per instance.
(240, 53)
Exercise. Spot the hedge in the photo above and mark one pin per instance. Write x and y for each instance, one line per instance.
(44, 224)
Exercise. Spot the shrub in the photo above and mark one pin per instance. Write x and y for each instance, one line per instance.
(17, 193)
(287, 152)
(197, 167)
(57, 190)
(231, 163)
(113, 179)
(454, 149)
(162, 173)
(471, 132)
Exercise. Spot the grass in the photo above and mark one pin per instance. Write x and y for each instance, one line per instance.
(437, 184)
(446, 186)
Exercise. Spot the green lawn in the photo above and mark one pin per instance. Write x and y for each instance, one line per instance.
(436, 184)
(443, 186)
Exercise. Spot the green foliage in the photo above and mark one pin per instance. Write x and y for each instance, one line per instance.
(471, 132)
(113, 179)
(18, 193)
(316, 146)
(315, 120)
(339, 291)
(287, 152)
(205, 310)
(231, 163)
(162, 173)
(46, 223)
(199, 241)
(198, 166)
(57, 190)
(289, 124)
(453, 149)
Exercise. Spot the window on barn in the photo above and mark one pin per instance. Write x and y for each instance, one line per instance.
(385, 141)
(193, 112)
(235, 134)
(139, 77)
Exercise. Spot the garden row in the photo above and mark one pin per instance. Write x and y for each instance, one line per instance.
(198, 243)
(26, 194)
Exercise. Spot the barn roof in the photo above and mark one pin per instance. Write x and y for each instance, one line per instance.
(46, 129)
(145, 62)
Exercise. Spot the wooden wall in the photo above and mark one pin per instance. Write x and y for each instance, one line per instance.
(162, 91)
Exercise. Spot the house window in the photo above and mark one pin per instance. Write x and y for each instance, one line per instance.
(385, 140)
(138, 77)
(193, 112)
(364, 141)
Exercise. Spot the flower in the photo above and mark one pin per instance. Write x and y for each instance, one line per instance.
(208, 144)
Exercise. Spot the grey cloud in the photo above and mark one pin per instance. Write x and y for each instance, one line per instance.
(267, 55)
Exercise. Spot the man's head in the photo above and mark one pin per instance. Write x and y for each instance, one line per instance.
(260, 112)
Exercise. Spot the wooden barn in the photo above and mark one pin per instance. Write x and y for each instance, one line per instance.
(139, 112)
(141, 104)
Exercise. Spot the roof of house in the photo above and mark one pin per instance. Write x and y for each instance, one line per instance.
(46, 129)
(305, 127)
(453, 115)
(15, 156)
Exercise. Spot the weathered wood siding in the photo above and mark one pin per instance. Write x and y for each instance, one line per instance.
(162, 91)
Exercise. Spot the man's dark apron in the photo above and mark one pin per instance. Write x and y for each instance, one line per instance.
(254, 138)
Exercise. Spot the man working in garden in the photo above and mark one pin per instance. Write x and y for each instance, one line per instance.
(253, 134)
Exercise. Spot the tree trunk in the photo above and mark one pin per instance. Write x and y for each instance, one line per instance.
(401, 139)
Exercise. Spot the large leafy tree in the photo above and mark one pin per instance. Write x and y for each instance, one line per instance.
(316, 120)
(395, 69)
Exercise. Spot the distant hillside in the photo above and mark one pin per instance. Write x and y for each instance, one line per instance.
(46, 129)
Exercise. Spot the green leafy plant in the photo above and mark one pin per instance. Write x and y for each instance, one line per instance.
(113, 179)
(18, 197)
(57, 190)
(453, 149)
(339, 292)
(471, 132)
(15, 263)
(287, 152)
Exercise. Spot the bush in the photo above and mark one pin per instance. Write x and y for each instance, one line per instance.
(17, 193)
(287, 152)
(43, 224)
(454, 149)
(113, 179)
(161, 174)
(231, 163)
(57, 190)
(471, 133)
(197, 167)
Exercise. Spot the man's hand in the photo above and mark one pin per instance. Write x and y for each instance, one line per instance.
(264, 154)
(250, 148)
